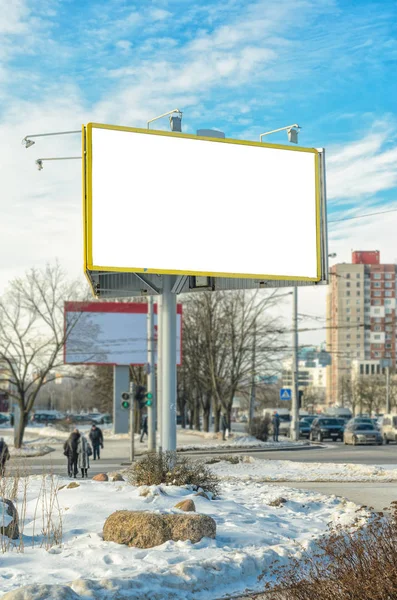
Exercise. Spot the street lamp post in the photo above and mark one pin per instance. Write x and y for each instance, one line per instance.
(292, 131)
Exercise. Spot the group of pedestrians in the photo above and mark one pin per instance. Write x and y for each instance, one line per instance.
(78, 450)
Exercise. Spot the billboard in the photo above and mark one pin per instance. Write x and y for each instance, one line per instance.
(164, 203)
(110, 333)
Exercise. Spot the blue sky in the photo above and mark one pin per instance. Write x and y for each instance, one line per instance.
(244, 68)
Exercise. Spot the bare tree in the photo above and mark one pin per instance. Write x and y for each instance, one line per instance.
(33, 333)
(221, 330)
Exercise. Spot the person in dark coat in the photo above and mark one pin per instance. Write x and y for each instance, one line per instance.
(4, 456)
(224, 425)
(84, 451)
(96, 439)
(70, 450)
(276, 425)
(144, 428)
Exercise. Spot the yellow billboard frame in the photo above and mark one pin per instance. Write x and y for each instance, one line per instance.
(87, 204)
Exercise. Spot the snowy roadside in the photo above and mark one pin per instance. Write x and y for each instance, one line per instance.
(243, 441)
(30, 451)
(251, 534)
(250, 471)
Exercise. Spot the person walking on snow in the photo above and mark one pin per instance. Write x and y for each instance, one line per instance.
(225, 426)
(70, 450)
(144, 428)
(84, 451)
(4, 456)
(276, 425)
(96, 439)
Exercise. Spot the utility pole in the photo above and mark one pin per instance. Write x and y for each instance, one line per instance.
(151, 381)
(295, 369)
(387, 390)
(253, 390)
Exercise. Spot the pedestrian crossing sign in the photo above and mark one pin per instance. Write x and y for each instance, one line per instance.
(285, 394)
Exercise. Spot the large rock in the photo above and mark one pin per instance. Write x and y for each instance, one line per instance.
(136, 528)
(191, 527)
(8, 519)
(186, 506)
(146, 530)
(37, 591)
(101, 477)
(73, 484)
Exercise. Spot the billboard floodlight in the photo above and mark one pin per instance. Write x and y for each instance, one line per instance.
(176, 123)
(293, 135)
(28, 143)
(39, 164)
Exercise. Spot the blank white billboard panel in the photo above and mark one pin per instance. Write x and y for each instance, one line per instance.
(163, 203)
(110, 333)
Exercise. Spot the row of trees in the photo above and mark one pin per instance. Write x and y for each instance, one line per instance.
(367, 394)
(227, 337)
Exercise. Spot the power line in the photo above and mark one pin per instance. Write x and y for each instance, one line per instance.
(380, 212)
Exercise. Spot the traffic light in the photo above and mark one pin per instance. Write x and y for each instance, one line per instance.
(144, 399)
(140, 393)
(300, 399)
(125, 400)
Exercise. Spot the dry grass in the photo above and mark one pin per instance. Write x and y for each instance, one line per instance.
(351, 563)
(48, 519)
(171, 469)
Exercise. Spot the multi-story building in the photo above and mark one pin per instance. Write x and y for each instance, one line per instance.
(361, 318)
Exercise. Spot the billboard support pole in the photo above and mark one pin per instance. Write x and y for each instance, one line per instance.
(168, 343)
(151, 381)
(295, 370)
(121, 378)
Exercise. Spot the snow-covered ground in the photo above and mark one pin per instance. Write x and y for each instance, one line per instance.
(287, 470)
(242, 441)
(251, 534)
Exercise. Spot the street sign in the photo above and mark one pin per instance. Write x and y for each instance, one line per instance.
(285, 394)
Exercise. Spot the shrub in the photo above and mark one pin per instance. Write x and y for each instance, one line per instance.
(351, 563)
(171, 469)
(259, 428)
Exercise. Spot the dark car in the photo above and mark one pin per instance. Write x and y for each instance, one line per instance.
(304, 428)
(326, 428)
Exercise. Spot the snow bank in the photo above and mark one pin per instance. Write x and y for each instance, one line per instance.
(287, 470)
(250, 536)
(245, 441)
(28, 451)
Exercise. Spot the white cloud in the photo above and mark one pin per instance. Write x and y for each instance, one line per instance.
(364, 167)
(123, 45)
(14, 15)
(159, 14)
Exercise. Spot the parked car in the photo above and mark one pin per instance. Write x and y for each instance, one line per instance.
(285, 419)
(304, 428)
(326, 428)
(4, 420)
(367, 420)
(310, 418)
(362, 433)
(389, 428)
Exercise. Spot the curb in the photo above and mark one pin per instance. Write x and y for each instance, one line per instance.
(245, 449)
